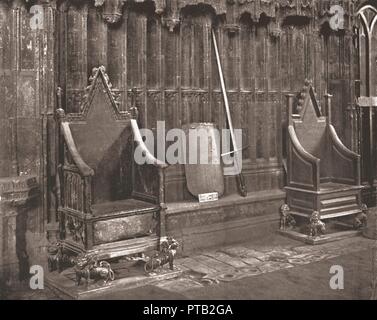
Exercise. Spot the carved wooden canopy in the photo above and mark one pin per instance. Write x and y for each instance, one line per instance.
(170, 10)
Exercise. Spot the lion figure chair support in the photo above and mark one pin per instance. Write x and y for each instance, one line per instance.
(316, 226)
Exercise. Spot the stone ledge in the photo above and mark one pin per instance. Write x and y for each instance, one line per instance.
(63, 284)
(16, 194)
(16, 191)
(322, 239)
(230, 220)
(227, 201)
(370, 231)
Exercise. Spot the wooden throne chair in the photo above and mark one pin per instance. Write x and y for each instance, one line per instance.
(323, 176)
(109, 205)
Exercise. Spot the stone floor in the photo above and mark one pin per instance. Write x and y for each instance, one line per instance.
(252, 260)
(208, 272)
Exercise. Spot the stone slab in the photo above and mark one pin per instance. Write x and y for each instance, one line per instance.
(196, 266)
(370, 231)
(64, 285)
(244, 252)
(274, 266)
(179, 285)
(308, 258)
(232, 261)
(319, 240)
(252, 261)
(214, 264)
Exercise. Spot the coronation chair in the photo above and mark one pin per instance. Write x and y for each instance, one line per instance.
(109, 205)
(323, 176)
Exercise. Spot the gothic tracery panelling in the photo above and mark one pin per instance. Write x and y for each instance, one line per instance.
(173, 74)
(6, 93)
(75, 46)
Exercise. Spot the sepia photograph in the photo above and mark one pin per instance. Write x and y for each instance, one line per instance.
(207, 151)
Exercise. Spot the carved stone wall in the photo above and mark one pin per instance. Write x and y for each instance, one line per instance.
(27, 103)
(17, 198)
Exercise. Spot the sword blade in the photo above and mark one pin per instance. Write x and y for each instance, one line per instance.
(240, 177)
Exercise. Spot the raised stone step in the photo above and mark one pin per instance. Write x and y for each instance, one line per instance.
(340, 214)
(63, 284)
(338, 201)
(339, 209)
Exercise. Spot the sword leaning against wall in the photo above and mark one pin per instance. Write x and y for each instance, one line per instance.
(240, 178)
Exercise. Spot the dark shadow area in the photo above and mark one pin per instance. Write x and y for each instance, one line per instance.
(22, 226)
(298, 21)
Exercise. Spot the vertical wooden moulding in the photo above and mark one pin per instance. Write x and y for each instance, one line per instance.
(170, 75)
(116, 59)
(136, 60)
(273, 87)
(259, 59)
(76, 55)
(162, 112)
(184, 70)
(285, 60)
(252, 106)
(48, 52)
(97, 39)
(62, 37)
(125, 62)
(317, 71)
(349, 88)
(143, 64)
(15, 36)
(325, 59)
(280, 107)
(238, 107)
(193, 83)
(152, 81)
(163, 207)
(83, 47)
(244, 70)
(207, 69)
(35, 69)
(6, 94)
(266, 112)
(132, 63)
(178, 82)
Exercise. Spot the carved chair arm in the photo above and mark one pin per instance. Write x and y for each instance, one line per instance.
(346, 155)
(139, 140)
(306, 158)
(84, 169)
(300, 149)
(340, 146)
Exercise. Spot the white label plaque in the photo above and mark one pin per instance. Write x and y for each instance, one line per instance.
(208, 197)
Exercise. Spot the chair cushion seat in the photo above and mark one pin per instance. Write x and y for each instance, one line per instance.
(129, 206)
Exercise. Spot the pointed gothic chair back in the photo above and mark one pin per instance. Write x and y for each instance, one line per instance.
(102, 136)
(107, 203)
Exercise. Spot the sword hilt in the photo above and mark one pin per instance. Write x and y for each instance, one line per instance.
(233, 152)
(242, 185)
